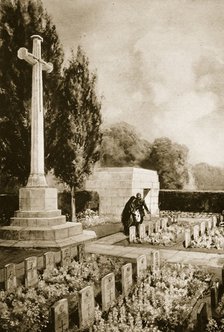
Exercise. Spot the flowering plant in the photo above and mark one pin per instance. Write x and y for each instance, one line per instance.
(161, 302)
(90, 218)
(213, 238)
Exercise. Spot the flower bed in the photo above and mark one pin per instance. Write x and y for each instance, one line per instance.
(90, 218)
(158, 303)
(166, 237)
(212, 239)
(216, 324)
(27, 310)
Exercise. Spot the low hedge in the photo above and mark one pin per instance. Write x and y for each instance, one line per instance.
(191, 201)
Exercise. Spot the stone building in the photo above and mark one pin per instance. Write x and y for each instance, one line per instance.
(115, 185)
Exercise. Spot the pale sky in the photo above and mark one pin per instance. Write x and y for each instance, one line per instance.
(160, 65)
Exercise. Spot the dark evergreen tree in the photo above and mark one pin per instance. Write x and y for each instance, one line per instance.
(19, 21)
(75, 136)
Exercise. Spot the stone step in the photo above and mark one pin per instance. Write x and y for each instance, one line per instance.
(85, 236)
(37, 222)
(37, 214)
(58, 232)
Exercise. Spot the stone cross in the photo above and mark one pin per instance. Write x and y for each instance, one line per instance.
(36, 177)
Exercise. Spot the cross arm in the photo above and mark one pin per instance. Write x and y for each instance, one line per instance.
(46, 66)
(23, 54)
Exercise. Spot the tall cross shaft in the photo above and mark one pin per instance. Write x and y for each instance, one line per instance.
(37, 176)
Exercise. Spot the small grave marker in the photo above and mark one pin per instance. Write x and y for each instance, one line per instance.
(86, 307)
(164, 222)
(127, 278)
(150, 228)
(10, 277)
(196, 232)
(60, 316)
(214, 294)
(187, 238)
(209, 224)
(155, 261)
(142, 232)
(202, 317)
(214, 221)
(49, 260)
(157, 226)
(141, 262)
(132, 234)
(202, 227)
(108, 291)
(81, 252)
(31, 275)
(65, 256)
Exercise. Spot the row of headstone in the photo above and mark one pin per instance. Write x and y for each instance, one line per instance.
(200, 230)
(150, 227)
(30, 267)
(86, 305)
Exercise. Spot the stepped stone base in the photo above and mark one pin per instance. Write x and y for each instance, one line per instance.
(86, 236)
(39, 224)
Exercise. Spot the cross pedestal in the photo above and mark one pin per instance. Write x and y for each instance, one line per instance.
(38, 222)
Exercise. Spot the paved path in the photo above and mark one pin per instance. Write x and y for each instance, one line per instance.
(212, 262)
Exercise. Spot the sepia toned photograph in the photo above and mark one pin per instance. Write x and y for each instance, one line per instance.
(111, 166)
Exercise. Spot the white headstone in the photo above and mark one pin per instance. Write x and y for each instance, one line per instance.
(187, 238)
(155, 261)
(209, 224)
(60, 316)
(10, 277)
(31, 275)
(132, 234)
(127, 278)
(141, 262)
(86, 307)
(81, 252)
(214, 221)
(150, 228)
(202, 227)
(65, 256)
(164, 222)
(49, 260)
(142, 232)
(196, 232)
(157, 226)
(108, 291)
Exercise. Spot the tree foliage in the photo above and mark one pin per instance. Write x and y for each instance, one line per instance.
(19, 21)
(208, 177)
(74, 133)
(122, 146)
(170, 161)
